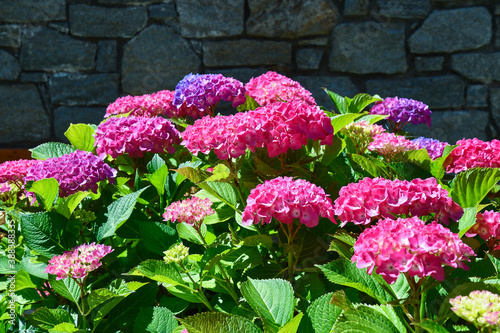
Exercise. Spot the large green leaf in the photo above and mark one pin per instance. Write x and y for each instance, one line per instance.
(46, 191)
(117, 288)
(220, 173)
(272, 299)
(342, 120)
(118, 213)
(338, 101)
(157, 236)
(371, 165)
(432, 327)
(44, 233)
(438, 166)
(467, 220)
(158, 270)
(81, 136)
(250, 104)
(158, 179)
(373, 118)
(361, 101)
(156, 163)
(218, 322)
(155, 320)
(65, 328)
(471, 186)
(293, 325)
(189, 233)
(48, 318)
(345, 273)
(67, 205)
(50, 150)
(365, 319)
(67, 288)
(323, 314)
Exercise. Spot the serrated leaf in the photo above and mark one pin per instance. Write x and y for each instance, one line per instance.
(81, 136)
(467, 220)
(67, 288)
(364, 319)
(65, 328)
(220, 173)
(331, 152)
(371, 165)
(217, 322)
(431, 326)
(118, 213)
(373, 118)
(342, 120)
(338, 101)
(156, 163)
(418, 157)
(157, 236)
(67, 205)
(97, 297)
(158, 271)
(345, 273)
(293, 325)
(272, 299)
(254, 240)
(362, 100)
(221, 215)
(496, 263)
(50, 150)
(23, 281)
(250, 104)
(471, 186)
(189, 233)
(30, 264)
(155, 320)
(48, 318)
(323, 314)
(225, 191)
(46, 190)
(158, 179)
(438, 166)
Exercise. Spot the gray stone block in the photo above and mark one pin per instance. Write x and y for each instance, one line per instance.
(96, 21)
(439, 92)
(320, 41)
(477, 96)
(368, 47)
(132, 2)
(80, 89)
(67, 115)
(47, 50)
(341, 85)
(309, 57)
(9, 67)
(429, 64)
(31, 77)
(495, 105)
(482, 67)
(497, 34)
(356, 7)
(451, 126)
(24, 118)
(246, 52)
(453, 30)
(211, 18)
(405, 9)
(29, 11)
(291, 18)
(156, 59)
(497, 9)
(106, 56)
(10, 36)
(163, 11)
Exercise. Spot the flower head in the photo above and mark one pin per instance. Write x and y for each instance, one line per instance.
(434, 147)
(204, 91)
(389, 144)
(409, 246)
(12, 171)
(135, 136)
(487, 226)
(373, 199)
(149, 105)
(480, 307)
(474, 153)
(177, 253)
(403, 110)
(286, 199)
(191, 211)
(272, 87)
(77, 171)
(362, 133)
(78, 262)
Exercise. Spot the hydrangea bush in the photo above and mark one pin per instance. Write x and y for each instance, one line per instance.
(283, 217)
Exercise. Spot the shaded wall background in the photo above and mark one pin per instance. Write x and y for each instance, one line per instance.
(65, 61)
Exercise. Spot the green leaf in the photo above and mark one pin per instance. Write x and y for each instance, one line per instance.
(254, 240)
(360, 101)
(65, 328)
(23, 281)
(431, 326)
(117, 288)
(158, 271)
(30, 264)
(118, 213)
(345, 273)
(293, 325)
(225, 191)
(155, 320)
(365, 319)
(50, 150)
(471, 186)
(221, 173)
(156, 163)
(272, 299)
(373, 118)
(467, 220)
(189, 233)
(44, 233)
(250, 104)
(338, 101)
(222, 214)
(342, 120)
(418, 157)
(46, 190)
(217, 322)
(158, 179)
(371, 165)
(438, 166)
(331, 152)
(67, 288)
(81, 136)
(48, 318)
(323, 314)
(496, 263)
(67, 205)
(157, 236)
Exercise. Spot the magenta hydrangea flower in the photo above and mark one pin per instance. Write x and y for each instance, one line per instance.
(389, 144)
(409, 246)
(272, 87)
(135, 136)
(402, 111)
(278, 126)
(78, 262)
(434, 147)
(487, 226)
(373, 199)
(474, 153)
(191, 211)
(149, 105)
(204, 91)
(286, 199)
(15, 171)
(77, 171)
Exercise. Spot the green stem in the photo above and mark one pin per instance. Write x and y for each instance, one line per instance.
(198, 289)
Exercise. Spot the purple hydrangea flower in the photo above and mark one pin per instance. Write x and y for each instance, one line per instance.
(403, 110)
(434, 147)
(78, 171)
(204, 91)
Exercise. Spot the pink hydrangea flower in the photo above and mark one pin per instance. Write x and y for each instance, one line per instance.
(204, 91)
(77, 171)
(272, 87)
(373, 199)
(149, 105)
(409, 246)
(135, 136)
(191, 211)
(78, 262)
(487, 226)
(389, 144)
(434, 147)
(480, 307)
(474, 153)
(12, 171)
(286, 199)
(361, 133)
(278, 127)
(402, 111)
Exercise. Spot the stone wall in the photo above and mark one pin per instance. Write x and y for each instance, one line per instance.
(64, 61)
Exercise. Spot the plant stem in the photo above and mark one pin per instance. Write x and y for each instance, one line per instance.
(198, 289)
